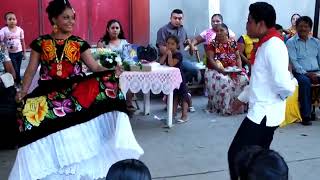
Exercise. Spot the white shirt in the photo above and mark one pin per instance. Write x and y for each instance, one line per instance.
(270, 84)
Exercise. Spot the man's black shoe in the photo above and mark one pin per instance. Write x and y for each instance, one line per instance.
(306, 123)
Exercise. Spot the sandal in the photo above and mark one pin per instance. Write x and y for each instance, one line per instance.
(181, 121)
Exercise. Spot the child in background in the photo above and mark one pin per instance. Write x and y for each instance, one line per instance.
(173, 58)
(13, 37)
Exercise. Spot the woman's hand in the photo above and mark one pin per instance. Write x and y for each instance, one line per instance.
(237, 104)
(118, 71)
(20, 95)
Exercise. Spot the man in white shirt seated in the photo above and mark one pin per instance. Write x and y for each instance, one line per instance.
(270, 84)
(304, 54)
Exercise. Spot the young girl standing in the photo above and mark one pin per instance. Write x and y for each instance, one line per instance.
(173, 58)
(13, 37)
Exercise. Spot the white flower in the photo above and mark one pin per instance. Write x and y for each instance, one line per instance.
(108, 51)
(118, 60)
(109, 60)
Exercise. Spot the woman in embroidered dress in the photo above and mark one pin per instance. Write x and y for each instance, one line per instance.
(72, 126)
(223, 87)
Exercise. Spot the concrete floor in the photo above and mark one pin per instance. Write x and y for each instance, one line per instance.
(197, 150)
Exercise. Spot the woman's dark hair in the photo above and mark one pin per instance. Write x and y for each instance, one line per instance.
(305, 19)
(56, 7)
(129, 169)
(262, 11)
(224, 26)
(219, 15)
(106, 38)
(257, 163)
(175, 38)
(295, 14)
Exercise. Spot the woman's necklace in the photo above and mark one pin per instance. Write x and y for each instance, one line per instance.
(59, 61)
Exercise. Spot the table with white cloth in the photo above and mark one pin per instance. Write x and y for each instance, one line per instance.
(160, 79)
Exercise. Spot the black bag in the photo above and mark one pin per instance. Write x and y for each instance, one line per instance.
(148, 53)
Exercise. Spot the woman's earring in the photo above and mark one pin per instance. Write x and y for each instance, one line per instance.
(55, 28)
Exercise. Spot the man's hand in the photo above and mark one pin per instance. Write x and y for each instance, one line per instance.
(313, 77)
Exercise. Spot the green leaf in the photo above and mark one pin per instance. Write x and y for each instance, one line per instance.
(50, 115)
(101, 96)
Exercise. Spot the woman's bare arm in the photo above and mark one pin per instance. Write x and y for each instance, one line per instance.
(31, 70)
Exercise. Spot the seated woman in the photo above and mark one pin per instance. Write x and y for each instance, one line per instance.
(208, 35)
(114, 39)
(224, 87)
(7, 103)
(245, 46)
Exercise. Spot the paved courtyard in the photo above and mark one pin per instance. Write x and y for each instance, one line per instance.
(197, 150)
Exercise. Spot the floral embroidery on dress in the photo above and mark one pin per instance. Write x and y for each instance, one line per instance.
(48, 50)
(35, 110)
(71, 98)
(73, 51)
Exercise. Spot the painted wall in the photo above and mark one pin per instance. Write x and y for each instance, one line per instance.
(236, 18)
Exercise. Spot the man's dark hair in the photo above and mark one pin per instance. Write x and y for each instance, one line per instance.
(257, 163)
(278, 27)
(219, 15)
(177, 11)
(129, 169)
(305, 19)
(262, 11)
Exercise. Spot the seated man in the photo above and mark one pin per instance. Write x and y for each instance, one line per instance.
(175, 27)
(304, 54)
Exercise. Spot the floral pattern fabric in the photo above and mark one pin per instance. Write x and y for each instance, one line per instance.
(223, 89)
(71, 97)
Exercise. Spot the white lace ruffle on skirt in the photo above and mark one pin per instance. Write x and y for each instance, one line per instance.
(84, 151)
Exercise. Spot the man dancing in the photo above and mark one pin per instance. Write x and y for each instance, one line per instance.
(270, 84)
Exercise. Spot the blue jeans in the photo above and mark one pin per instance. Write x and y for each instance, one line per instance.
(304, 94)
(189, 70)
(16, 59)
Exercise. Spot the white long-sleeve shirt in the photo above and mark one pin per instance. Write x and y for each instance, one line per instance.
(270, 84)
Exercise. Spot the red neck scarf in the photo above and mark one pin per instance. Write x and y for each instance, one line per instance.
(272, 32)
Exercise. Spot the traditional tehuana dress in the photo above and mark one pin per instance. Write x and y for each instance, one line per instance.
(72, 126)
